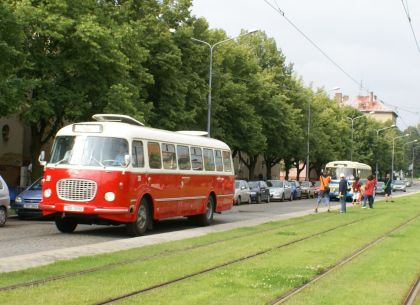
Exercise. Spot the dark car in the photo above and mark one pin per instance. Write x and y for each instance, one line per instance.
(26, 203)
(259, 191)
(296, 190)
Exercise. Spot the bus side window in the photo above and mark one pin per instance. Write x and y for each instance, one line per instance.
(219, 160)
(183, 157)
(197, 158)
(138, 154)
(226, 161)
(154, 155)
(168, 156)
(208, 159)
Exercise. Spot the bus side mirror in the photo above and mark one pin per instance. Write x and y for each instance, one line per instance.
(41, 158)
(127, 160)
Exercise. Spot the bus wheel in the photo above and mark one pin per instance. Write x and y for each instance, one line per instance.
(65, 225)
(139, 227)
(206, 218)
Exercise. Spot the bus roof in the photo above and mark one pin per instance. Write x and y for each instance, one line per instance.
(349, 164)
(124, 129)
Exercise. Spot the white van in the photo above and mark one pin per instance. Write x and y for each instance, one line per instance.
(4, 202)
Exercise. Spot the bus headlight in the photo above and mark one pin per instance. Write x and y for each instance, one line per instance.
(109, 196)
(47, 193)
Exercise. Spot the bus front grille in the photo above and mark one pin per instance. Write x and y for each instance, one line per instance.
(76, 189)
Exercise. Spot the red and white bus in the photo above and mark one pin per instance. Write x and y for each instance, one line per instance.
(116, 171)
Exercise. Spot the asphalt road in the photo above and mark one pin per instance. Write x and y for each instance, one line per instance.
(20, 237)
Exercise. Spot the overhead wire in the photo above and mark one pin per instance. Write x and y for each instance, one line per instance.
(360, 84)
(407, 13)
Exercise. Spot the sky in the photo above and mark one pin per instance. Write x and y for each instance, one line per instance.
(372, 41)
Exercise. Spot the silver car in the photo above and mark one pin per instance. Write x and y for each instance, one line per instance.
(280, 190)
(398, 185)
(242, 192)
(4, 202)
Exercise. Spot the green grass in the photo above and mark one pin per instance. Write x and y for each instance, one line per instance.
(381, 275)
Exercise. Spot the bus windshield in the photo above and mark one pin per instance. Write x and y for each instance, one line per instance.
(89, 151)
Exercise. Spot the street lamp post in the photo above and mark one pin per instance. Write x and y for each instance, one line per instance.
(211, 47)
(352, 125)
(393, 151)
(309, 129)
(377, 135)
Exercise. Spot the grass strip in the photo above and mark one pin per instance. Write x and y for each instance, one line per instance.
(262, 280)
(94, 287)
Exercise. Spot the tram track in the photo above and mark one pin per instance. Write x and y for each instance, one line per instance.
(219, 266)
(146, 258)
(413, 293)
(283, 298)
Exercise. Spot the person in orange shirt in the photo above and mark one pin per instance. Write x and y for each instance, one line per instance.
(324, 191)
(369, 190)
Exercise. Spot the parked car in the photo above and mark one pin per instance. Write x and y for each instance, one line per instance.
(4, 202)
(279, 190)
(380, 188)
(296, 190)
(26, 203)
(259, 191)
(398, 185)
(408, 182)
(308, 189)
(242, 192)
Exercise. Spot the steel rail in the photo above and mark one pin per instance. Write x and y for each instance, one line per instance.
(413, 293)
(281, 299)
(216, 267)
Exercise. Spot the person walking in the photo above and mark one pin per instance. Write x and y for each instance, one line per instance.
(369, 189)
(324, 191)
(342, 192)
(356, 190)
(388, 189)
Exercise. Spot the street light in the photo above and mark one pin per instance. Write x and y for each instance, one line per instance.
(211, 47)
(309, 129)
(377, 135)
(352, 124)
(393, 150)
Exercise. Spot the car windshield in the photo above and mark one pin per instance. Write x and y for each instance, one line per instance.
(398, 182)
(306, 184)
(36, 186)
(253, 184)
(89, 151)
(380, 184)
(275, 183)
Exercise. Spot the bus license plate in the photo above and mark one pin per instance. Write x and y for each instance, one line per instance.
(73, 208)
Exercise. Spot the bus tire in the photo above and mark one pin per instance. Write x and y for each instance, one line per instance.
(143, 219)
(206, 218)
(65, 225)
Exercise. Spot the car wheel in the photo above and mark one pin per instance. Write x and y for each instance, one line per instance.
(239, 201)
(65, 225)
(282, 198)
(206, 218)
(258, 198)
(3, 217)
(139, 227)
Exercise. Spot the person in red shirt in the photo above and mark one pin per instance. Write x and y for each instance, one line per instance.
(356, 190)
(369, 191)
